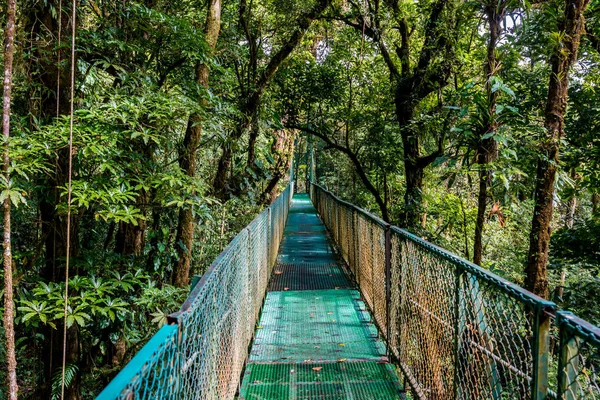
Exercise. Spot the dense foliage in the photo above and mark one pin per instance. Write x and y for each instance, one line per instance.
(431, 113)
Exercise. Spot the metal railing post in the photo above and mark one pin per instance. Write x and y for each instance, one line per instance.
(338, 218)
(567, 362)
(388, 286)
(356, 250)
(372, 257)
(541, 345)
(269, 243)
(250, 310)
(458, 321)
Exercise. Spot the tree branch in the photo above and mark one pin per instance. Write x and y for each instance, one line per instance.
(303, 24)
(170, 68)
(364, 28)
(432, 36)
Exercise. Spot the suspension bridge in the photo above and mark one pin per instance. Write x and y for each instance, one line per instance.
(318, 299)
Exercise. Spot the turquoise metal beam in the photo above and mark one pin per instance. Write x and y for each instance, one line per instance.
(127, 377)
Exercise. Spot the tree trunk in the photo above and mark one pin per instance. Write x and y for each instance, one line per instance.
(414, 163)
(254, 131)
(595, 202)
(131, 237)
(414, 171)
(187, 160)
(249, 110)
(413, 196)
(43, 23)
(571, 208)
(54, 223)
(9, 327)
(484, 177)
(73, 390)
(564, 56)
(283, 150)
(220, 181)
(150, 263)
(487, 149)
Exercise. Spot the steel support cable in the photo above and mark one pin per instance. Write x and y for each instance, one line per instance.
(69, 193)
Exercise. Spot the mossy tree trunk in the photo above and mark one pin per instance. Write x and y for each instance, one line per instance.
(565, 54)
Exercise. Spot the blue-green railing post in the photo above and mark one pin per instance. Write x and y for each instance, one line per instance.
(356, 249)
(338, 216)
(458, 328)
(269, 240)
(568, 367)
(388, 287)
(541, 345)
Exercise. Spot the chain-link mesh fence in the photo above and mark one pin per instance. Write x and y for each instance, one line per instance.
(456, 330)
(579, 365)
(201, 354)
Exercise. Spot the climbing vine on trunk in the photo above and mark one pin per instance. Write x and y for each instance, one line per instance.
(8, 194)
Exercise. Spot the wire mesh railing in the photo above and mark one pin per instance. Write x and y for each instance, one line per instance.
(456, 330)
(579, 361)
(200, 354)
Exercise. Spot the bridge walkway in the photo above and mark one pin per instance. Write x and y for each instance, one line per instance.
(315, 338)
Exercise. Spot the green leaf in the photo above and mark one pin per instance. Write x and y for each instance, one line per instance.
(488, 135)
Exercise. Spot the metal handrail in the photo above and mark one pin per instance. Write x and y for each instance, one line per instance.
(200, 352)
(475, 290)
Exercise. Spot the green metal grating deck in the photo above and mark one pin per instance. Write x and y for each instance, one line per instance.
(316, 338)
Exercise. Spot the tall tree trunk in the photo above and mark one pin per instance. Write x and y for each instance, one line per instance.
(414, 168)
(571, 208)
(412, 85)
(254, 131)
(482, 197)
(9, 327)
(249, 110)
(487, 149)
(283, 150)
(131, 237)
(413, 195)
(155, 238)
(187, 160)
(565, 55)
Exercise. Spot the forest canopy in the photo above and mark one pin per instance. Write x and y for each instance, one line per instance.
(157, 131)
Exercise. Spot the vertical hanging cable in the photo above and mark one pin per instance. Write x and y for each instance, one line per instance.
(64, 355)
(58, 61)
(58, 70)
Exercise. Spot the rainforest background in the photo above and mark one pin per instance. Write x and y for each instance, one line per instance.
(450, 118)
